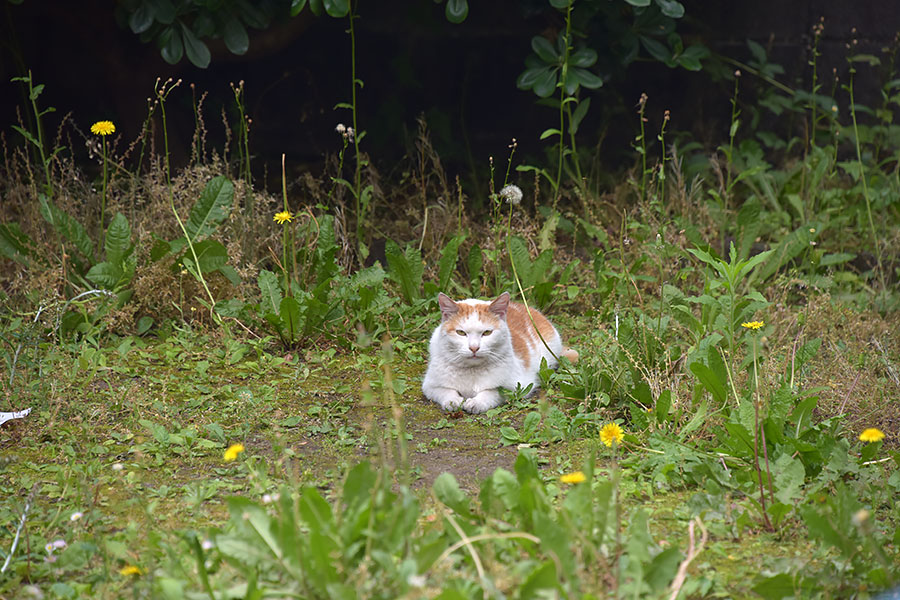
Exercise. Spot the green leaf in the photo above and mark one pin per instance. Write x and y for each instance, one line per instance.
(447, 263)
(297, 7)
(337, 8)
(540, 583)
(235, 35)
(211, 255)
(163, 10)
(578, 115)
(456, 11)
(406, 269)
(14, 243)
(710, 381)
(211, 208)
(106, 275)
(776, 587)
(658, 50)
(170, 46)
(67, 227)
(447, 490)
(545, 50)
(546, 83)
(142, 18)
(289, 309)
(549, 132)
(671, 8)
(271, 292)
(118, 239)
(196, 50)
(27, 135)
(584, 58)
(584, 78)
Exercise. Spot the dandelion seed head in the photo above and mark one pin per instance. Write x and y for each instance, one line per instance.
(511, 194)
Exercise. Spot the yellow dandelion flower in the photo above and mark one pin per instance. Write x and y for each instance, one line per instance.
(611, 432)
(130, 570)
(871, 435)
(233, 451)
(283, 217)
(753, 325)
(576, 477)
(103, 128)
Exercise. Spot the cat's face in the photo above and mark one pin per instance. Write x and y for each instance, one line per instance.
(474, 331)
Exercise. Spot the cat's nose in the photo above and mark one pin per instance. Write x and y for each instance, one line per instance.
(474, 349)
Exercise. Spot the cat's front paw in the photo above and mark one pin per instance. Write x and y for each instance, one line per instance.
(482, 402)
(450, 402)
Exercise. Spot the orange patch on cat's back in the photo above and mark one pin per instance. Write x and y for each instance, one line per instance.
(521, 330)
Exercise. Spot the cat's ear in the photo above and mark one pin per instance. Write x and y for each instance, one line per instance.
(448, 306)
(500, 305)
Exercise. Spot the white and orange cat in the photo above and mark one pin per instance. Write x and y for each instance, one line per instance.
(481, 346)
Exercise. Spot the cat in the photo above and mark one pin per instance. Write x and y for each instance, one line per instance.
(481, 346)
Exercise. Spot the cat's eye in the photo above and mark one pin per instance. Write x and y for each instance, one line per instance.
(460, 332)
(487, 332)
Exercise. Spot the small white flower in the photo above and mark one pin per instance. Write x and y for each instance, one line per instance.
(118, 466)
(206, 545)
(267, 499)
(417, 581)
(350, 133)
(55, 545)
(511, 193)
(340, 128)
(76, 515)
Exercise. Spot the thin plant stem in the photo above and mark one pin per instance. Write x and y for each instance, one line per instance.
(103, 200)
(862, 177)
(564, 74)
(284, 232)
(162, 93)
(756, 428)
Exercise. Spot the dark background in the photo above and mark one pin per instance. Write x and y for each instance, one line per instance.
(413, 62)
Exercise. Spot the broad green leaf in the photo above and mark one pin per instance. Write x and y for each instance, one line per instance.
(545, 84)
(578, 115)
(170, 46)
(211, 208)
(235, 35)
(776, 587)
(118, 239)
(197, 51)
(541, 583)
(584, 58)
(544, 49)
(405, 268)
(211, 255)
(447, 263)
(142, 18)
(337, 8)
(289, 309)
(297, 7)
(14, 243)
(67, 227)
(456, 11)
(163, 11)
(271, 292)
(710, 381)
(671, 8)
(554, 540)
(447, 490)
(106, 275)
(657, 50)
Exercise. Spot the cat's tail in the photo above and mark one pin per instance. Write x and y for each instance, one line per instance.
(571, 354)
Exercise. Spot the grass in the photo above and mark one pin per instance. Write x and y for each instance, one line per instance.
(741, 472)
